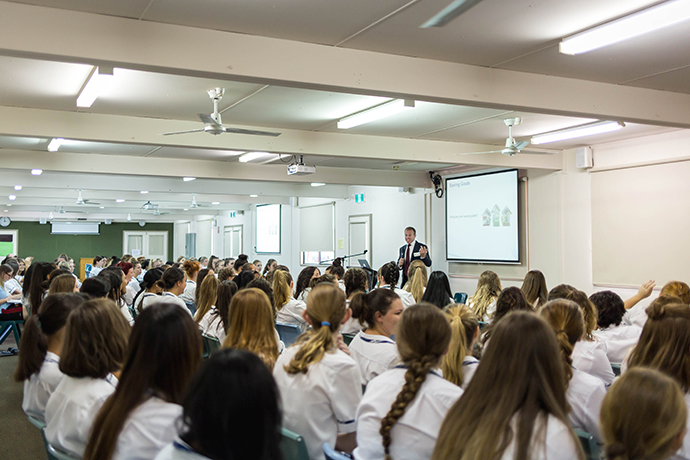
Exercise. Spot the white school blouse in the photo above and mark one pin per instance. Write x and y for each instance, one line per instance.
(619, 340)
(406, 297)
(490, 310)
(189, 294)
(72, 408)
(179, 450)
(39, 387)
(148, 429)
(352, 325)
(585, 395)
(211, 325)
(590, 357)
(291, 313)
(374, 355)
(559, 445)
(414, 436)
(321, 403)
(167, 297)
(469, 367)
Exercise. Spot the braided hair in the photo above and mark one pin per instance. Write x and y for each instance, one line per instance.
(422, 339)
(390, 273)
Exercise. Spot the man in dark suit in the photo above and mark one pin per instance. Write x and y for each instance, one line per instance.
(412, 250)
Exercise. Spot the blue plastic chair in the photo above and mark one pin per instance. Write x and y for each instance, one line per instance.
(347, 338)
(54, 453)
(332, 454)
(40, 424)
(589, 445)
(288, 333)
(293, 446)
(460, 297)
(191, 307)
(11, 326)
(211, 344)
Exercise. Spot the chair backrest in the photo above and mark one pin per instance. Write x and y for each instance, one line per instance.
(133, 312)
(38, 423)
(589, 445)
(616, 367)
(293, 446)
(347, 338)
(54, 453)
(332, 454)
(191, 307)
(482, 325)
(210, 343)
(460, 297)
(288, 333)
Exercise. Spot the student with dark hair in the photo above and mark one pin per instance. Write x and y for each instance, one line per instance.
(336, 269)
(98, 264)
(216, 322)
(118, 287)
(618, 336)
(35, 284)
(240, 261)
(243, 278)
(228, 273)
(140, 418)
(263, 285)
(172, 284)
(148, 287)
(438, 290)
(372, 348)
(289, 309)
(271, 264)
(303, 279)
(356, 281)
(534, 288)
(402, 410)
(231, 412)
(98, 288)
(94, 349)
(8, 310)
(510, 299)
(388, 279)
(42, 340)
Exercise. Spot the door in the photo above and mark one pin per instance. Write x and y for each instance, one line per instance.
(359, 237)
(153, 245)
(232, 241)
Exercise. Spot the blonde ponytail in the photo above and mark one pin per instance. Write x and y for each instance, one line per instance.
(417, 280)
(281, 288)
(463, 325)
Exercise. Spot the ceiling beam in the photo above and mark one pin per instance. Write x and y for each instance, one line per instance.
(69, 36)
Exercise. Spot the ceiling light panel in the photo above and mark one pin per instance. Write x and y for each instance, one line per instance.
(577, 131)
(98, 83)
(376, 113)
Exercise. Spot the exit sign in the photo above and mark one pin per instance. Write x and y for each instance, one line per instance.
(359, 198)
(233, 213)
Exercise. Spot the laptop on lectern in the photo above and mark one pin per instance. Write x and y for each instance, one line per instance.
(364, 263)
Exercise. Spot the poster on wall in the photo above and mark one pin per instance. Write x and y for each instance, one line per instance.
(268, 229)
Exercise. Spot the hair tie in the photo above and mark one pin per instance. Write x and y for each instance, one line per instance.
(325, 323)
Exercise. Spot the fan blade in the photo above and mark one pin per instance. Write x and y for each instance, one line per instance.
(185, 132)
(537, 152)
(449, 13)
(208, 120)
(478, 153)
(521, 145)
(250, 131)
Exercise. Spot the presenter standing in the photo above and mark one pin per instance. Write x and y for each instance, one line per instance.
(412, 250)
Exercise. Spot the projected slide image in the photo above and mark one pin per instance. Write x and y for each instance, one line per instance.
(481, 217)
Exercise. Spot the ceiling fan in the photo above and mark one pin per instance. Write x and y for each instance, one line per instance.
(81, 201)
(213, 123)
(512, 147)
(194, 204)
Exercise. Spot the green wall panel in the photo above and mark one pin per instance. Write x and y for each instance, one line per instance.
(37, 241)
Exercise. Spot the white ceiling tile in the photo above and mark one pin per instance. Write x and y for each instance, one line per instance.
(122, 8)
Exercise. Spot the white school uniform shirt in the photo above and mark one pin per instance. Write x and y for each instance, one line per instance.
(291, 313)
(212, 325)
(374, 355)
(72, 408)
(147, 430)
(406, 297)
(341, 285)
(619, 340)
(12, 285)
(39, 387)
(684, 452)
(189, 294)
(352, 325)
(135, 285)
(167, 297)
(414, 436)
(558, 445)
(590, 357)
(95, 271)
(302, 297)
(469, 367)
(179, 450)
(130, 294)
(585, 394)
(321, 403)
(490, 310)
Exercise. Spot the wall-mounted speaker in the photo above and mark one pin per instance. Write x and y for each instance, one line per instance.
(583, 157)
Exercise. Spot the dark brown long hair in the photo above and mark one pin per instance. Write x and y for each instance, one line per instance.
(164, 352)
(565, 317)
(534, 287)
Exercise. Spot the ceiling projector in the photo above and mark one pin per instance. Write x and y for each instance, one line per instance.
(299, 168)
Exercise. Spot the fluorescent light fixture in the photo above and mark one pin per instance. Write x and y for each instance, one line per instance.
(119, 200)
(215, 202)
(9, 204)
(101, 207)
(36, 172)
(449, 13)
(17, 187)
(185, 209)
(55, 144)
(144, 192)
(254, 196)
(188, 179)
(633, 25)
(375, 113)
(318, 184)
(99, 81)
(589, 129)
(13, 197)
(249, 156)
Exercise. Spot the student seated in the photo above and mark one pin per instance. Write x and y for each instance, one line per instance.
(643, 416)
(483, 302)
(458, 364)
(417, 280)
(402, 410)
(515, 407)
(216, 322)
(208, 292)
(230, 412)
(584, 392)
(94, 350)
(372, 348)
(618, 336)
(510, 299)
(388, 278)
(319, 384)
(141, 417)
(172, 285)
(534, 288)
(438, 290)
(356, 281)
(39, 361)
(290, 310)
(303, 279)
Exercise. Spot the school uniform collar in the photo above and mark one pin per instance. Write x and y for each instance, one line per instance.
(432, 371)
(469, 360)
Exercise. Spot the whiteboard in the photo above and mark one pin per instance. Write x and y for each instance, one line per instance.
(640, 224)
(316, 228)
(268, 229)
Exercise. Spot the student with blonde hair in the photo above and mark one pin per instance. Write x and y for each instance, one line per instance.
(402, 410)
(39, 360)
(678, 289)
(208, 293)
(458, 364)
(251, 325)
(515, 407)
(534, 287)
(483, 302)
(643, 416)
(417, 279)
(320, 384)
(141, 416)
(584, 392)
(94, 350)
(589, 354)
(290, 310)
(372, 348)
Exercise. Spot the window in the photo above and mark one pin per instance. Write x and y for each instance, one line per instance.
(268, 229)
(153, 245)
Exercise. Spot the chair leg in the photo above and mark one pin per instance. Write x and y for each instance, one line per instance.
(5, 332)
(17, 334)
